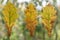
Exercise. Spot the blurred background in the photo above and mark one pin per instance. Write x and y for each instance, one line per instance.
(19, 32)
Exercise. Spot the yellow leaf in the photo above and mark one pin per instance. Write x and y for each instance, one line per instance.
(31, 18)
(48, 17)
(10, 14)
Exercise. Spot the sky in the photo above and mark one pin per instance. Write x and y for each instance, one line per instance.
(58, 2)
(19, 1)
(38, 7)
(23, 1)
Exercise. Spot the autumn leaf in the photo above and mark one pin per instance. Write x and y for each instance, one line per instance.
(9, 15)
(31, 18)
(48, 17)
